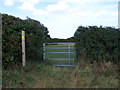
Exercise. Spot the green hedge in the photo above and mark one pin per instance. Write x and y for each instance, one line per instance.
(71, 39)
(97, 43)
(11, 39)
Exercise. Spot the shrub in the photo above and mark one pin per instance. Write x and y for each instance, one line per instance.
(97, 43)
(11, 39)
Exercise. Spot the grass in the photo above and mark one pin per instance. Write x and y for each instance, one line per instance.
(60, 62)
(59, 55)
(36, 75)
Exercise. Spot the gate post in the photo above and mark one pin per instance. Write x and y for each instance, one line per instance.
(44, 53)
(69, 54)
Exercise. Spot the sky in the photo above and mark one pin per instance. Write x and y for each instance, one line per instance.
(62, 17)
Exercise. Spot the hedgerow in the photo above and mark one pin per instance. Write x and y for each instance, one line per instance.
(71, 39)
(98, 43)
(11, 39)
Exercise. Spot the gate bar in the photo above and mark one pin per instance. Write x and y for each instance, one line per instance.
(63, 65)
(62, 43)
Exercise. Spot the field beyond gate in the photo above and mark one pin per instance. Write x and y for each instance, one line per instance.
(59, 54)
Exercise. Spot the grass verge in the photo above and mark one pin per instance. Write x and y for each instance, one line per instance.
(36, 75)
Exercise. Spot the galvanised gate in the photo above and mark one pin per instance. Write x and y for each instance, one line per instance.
(62, 54)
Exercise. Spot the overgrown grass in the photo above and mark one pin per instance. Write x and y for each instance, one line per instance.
(84, 75)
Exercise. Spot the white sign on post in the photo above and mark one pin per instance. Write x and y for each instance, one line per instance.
(23, 49)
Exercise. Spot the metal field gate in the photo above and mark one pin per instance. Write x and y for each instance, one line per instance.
(59, 54)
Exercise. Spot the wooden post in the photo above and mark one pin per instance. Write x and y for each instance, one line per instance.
(23, 49)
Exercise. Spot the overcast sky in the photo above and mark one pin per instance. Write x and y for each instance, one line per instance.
(62, 17)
